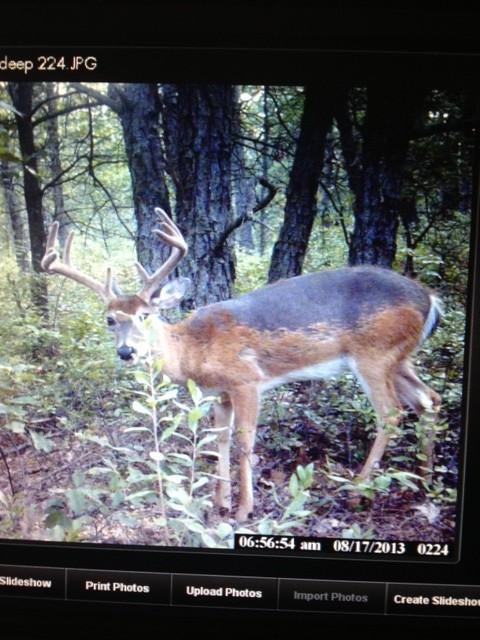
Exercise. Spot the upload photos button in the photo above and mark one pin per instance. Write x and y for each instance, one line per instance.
(224, 591)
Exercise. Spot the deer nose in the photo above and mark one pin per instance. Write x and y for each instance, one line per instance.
(125, 353)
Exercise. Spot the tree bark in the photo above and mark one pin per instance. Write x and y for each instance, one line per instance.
(301, 204)
(266, 162)
(139, 113)
(377, 174)
(243, 187)
(14, 212)
(56, 165)
(21, 94)
(199, 136)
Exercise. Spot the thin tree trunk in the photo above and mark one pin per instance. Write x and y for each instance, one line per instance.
(14, 212)
(243, 185)
(56, 165)
(266, 162)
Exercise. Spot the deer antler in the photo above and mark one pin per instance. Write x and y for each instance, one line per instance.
(51, 263)
(171, 234)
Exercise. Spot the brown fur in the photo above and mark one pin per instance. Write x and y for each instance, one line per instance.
(237, 360)
(130, 305)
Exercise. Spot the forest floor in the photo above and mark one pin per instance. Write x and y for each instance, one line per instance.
(80, 484)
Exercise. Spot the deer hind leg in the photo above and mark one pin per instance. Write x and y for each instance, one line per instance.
(377, 384)
(245, 402)
(223, 418)
(422, 400)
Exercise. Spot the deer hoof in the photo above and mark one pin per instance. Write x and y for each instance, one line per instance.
(243, 514)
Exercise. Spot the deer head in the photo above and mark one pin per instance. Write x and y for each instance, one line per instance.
(124, 313)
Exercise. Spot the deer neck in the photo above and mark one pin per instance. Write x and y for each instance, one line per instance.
(169, 348)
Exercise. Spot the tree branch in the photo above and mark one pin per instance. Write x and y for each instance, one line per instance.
(42, 103)
(247, 217)
(100, 97)
(61, 112)
(98, 182)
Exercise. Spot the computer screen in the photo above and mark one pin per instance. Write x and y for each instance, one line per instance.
(238, 334)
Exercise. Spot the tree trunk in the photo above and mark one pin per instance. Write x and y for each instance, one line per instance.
(243, 185)
(56, 165)
(199, 135)
(266, 162)
(139, 115)
(301, 205)
(15, 217)
(21, 94)
(389, 121)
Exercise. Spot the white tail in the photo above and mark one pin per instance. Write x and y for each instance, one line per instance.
(367, 320)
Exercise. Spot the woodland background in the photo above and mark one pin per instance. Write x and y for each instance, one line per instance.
(265, 182)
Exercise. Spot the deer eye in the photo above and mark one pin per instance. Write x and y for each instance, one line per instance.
(110, 321)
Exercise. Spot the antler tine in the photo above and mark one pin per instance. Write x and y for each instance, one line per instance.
(171, 235)
(51, 263)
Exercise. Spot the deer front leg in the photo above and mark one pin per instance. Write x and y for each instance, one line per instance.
(223, 416)
(245, 402)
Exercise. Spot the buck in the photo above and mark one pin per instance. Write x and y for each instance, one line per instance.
(367, 320)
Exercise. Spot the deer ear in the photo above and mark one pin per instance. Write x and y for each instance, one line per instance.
(171, 294)
(116, 288)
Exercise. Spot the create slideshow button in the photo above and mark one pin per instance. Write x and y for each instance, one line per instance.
(434, 600)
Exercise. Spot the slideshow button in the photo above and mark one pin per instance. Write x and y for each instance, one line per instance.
(32, 582)
(434, 600)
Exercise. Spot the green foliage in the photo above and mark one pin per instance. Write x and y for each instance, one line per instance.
(252, 270)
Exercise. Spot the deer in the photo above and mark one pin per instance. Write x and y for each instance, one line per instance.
(366, 320)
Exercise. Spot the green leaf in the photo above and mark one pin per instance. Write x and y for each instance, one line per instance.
(194, 417)
(224, 530)
(141, 408)
(293, 485)
(141, 377)
(41, 443)
(200, 483)
(15, 426)
(191, 525)
(194, 392)
(166, 433)
(25, 400)
(127, 520)
(57, 519)
(182, 458)
(76, 500)
(209, 541)
(206, 440)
